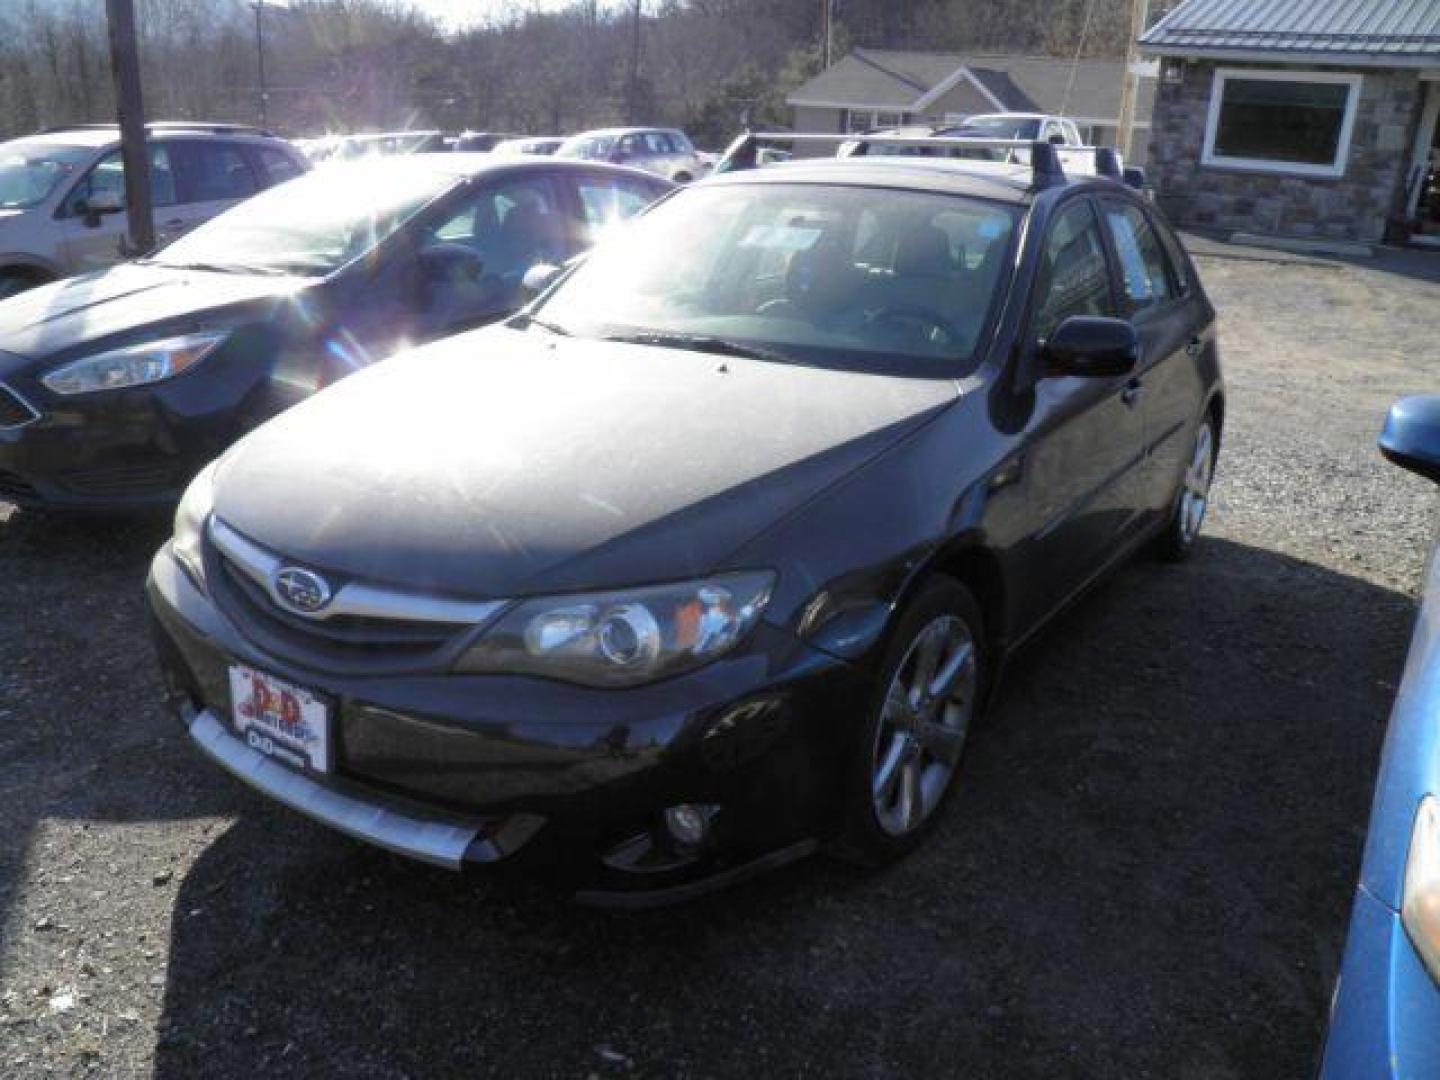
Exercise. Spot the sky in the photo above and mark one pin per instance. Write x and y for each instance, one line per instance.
(457, 13)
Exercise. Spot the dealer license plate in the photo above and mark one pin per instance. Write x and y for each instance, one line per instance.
(279, 719)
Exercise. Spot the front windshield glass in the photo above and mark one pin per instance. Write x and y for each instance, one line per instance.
(590, 147)
(876, 279)
(1001, 127)
(30, 169)
(313, 224)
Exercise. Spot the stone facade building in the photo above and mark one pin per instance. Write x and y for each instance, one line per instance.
(1312, 121)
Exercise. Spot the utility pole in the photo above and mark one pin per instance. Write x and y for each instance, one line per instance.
(827, 15)
(134, 156)
(259, 6)
(1125, 136)
(633, 105)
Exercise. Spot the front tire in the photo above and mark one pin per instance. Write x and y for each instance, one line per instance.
(14, 282)
(1192, 498)
(907, 753)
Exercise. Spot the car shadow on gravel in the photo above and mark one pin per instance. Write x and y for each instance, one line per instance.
(1147, 872)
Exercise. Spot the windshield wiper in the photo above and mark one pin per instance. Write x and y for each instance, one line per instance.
(222, 268)
(706, 343)
(523, 321)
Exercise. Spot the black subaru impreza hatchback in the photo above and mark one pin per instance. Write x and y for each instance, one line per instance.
(714, 553)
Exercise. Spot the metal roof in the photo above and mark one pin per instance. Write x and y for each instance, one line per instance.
(1402, 33)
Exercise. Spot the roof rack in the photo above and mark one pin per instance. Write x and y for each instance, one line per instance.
(211, 126)
(1045, 161)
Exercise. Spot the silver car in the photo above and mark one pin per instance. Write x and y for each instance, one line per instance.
(62, 192)
(666, 152)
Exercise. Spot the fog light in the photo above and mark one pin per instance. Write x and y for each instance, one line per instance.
(688, 824)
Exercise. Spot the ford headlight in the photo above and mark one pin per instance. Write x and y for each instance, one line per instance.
(190, 517)
(623, 638)
(133, 365)
(1420, 903)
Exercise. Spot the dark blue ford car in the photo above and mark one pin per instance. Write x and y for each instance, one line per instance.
(1386, 1016)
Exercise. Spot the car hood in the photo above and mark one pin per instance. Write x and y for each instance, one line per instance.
(505, 462)
(52, 318)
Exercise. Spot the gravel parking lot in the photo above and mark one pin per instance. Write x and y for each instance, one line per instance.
(1147, 875)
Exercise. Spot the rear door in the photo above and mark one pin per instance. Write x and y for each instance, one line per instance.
(601, 200)
(1084, 473)
(1162, 306)
(213, 176)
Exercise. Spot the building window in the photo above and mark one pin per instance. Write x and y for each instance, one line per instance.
(1281, 121)
(859, 121)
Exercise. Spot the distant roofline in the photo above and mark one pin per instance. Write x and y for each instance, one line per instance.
(1296, 53)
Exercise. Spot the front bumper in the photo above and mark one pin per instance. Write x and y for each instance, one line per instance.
(1385, 1021)
(466, 770)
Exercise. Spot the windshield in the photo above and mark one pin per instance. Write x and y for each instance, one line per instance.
(870, 278)
(313, 224)
(30, 169)
(591, 147)
(1000, 127)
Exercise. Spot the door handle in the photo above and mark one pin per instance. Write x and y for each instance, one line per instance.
(175, 223)
(1133, 392)
(1194, 349)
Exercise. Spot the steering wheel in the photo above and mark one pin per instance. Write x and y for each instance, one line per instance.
(910, 313)
(451, 262)
(777, 307)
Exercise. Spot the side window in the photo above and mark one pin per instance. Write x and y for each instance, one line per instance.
(1074, 276)
(215, 172)
(105, 182)
(277, 165)
(1143, 263)
(605, 200)
(511, 224)
(632, 145)
(1178, 265)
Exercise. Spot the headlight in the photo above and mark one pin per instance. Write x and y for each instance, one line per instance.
(134, 365)
(624, 638)
(190, 517)
(1420, 905)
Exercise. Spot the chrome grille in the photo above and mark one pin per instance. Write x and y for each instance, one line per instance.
(364, 629)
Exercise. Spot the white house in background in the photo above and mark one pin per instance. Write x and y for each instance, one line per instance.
(871, 88)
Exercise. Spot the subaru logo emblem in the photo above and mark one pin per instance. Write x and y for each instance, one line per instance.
(301, 589)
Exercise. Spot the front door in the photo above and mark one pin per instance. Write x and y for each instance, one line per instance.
(1084, 473)
(89, 244)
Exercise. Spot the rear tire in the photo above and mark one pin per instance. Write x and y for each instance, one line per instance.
(901, 770)
(1192, 498)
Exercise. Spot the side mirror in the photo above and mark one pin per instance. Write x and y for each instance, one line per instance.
(1411, 438)
(1057, 139)
(537, 279)
(1090, 347)
(91, 210)
(1135, 177)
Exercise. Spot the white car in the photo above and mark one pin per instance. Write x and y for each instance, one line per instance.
(666, 152)
(62, 192)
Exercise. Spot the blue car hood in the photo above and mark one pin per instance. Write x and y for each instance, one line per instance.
(505, 462)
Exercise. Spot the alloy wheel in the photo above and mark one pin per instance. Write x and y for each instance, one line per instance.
(1195, 488)
(927, 712)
